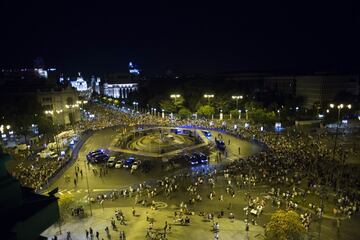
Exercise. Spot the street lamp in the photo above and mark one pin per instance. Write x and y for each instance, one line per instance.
(175, 96)
(239, 114)
(237, 100)
(278, 111)
(135, 104)
(246, 113)
(208, 96)
(339, 107)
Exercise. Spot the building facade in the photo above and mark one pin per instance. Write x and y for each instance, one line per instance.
(121, 90)
(61, 106)
(320, 89)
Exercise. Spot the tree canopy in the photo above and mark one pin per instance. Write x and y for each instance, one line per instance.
(284, 225)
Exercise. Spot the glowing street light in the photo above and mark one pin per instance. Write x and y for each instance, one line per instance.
(239, 114)
(339, 107)
(237, 100)
(175, 96)
(208, 96)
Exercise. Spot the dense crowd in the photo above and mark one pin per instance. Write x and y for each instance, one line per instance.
(295, 165)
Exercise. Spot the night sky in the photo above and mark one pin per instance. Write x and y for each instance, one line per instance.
(186, 38)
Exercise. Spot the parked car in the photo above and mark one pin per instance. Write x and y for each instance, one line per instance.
(135, 165)
(96, 155)
(202, 158)
(119, 164)
(192, 160)
(207, 133)
(111, 162)
(128, 162)
(101, 158)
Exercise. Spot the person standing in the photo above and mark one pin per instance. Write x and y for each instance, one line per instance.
(91, 232)
(86, 233)
(97, 235)
(68, 236)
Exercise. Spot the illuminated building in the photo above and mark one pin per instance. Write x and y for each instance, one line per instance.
(119, 90)
(79, 84)
(61, 106)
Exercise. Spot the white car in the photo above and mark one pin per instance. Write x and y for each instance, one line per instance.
(111, 162)
(119, 164)
(135, 165)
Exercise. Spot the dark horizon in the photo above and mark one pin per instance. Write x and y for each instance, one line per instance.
(185, 39)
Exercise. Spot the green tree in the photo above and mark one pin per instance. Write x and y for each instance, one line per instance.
(234, 113)
(206, 110)
(184, 112)
(284, 225)
(66, 203)
(168, 105)
(261, 116)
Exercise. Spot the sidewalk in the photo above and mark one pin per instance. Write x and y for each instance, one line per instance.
(136, 226)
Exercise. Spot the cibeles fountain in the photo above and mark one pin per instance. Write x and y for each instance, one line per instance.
(160, 142)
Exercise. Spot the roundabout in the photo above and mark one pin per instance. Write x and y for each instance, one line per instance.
(160, 142)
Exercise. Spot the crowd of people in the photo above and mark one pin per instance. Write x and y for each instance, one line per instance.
(296, 167)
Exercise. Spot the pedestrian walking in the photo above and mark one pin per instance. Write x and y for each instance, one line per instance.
(68, 236)
(86, 233)
(91, 232)
(97, 235)
(75, 182)
(133, 211)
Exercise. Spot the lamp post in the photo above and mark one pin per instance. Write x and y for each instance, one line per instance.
(162, 113)
(246, 114)
(237, 100)
(208, 96)
(221, 114)
(339, 107)
(278, 111)
(239, 114)
(175, 97)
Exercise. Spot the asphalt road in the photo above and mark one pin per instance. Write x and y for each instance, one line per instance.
(119, 178)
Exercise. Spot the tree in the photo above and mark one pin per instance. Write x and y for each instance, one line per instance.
(66, 203)
(234, 113)
(284, 225)
(184, 112)
(261, 116)
(206, 110)
(168, 105)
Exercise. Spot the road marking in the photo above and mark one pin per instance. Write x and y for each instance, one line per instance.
(160, 205)
(103, 190)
